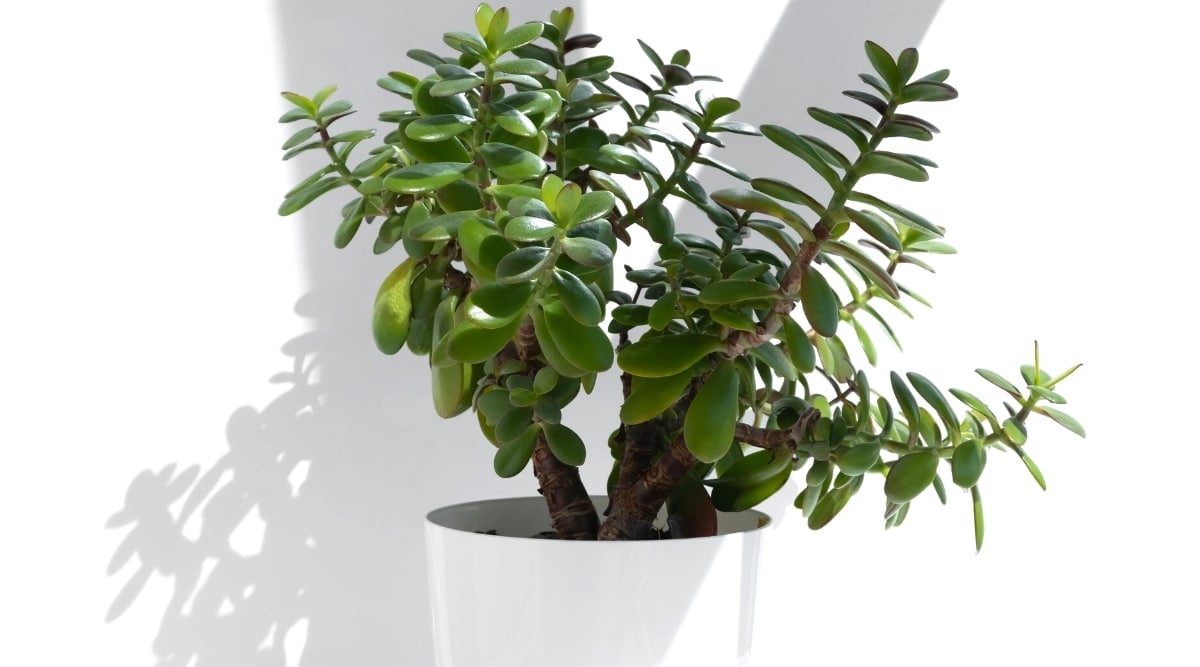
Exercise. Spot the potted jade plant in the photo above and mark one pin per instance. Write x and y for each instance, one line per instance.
(517, 164)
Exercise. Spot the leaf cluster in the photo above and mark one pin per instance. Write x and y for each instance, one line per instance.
(508, 202)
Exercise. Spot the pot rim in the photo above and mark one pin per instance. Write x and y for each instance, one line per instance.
(436, 518)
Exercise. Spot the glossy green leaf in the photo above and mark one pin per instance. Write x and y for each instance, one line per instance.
(663, 311)
(709, 424)
(973, 402)
(420, 178)
(393, 308)
(772, 356)
(799, 347)
(884, 65)
(496, 305)
(528, 66)
(662, 356)
(1063, 419)
(893, 164)
(523, 264)
(554, 357)
(511, 162)
(530, 229)
(471, 344)
(592, 206)
(741, 497)
(966, 466)
(1014, 432)
(650, 397)
(482, 248)
(749, 200)
(858, 459)
(927, 91)
(908, 402)
(305, 196)
(802, 148)
(519, 36)
(565, 444)
(1031, 466)
(658, 221)
(455, 85)
(789, 193)
(828, 506)
(910, 475)
(736, 291)
(439, 228)
(513, 121)
(877, 228)
(876, 273)
(512, 456)
(902, 215)
(586, 347)
(819, 302)
(996, 379)
(578, 300)
(438, 128)
(977, 515)
(587, 252)
(933, 396)
(839, 123)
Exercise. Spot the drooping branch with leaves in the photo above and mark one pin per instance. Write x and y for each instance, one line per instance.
(507, 197)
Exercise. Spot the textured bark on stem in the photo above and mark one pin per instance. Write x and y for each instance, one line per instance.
(572, 514)
(636, 508)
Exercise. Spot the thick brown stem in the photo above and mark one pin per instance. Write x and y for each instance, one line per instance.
(635, 509)
(572, 513)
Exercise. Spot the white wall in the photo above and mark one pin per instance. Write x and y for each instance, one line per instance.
(152, 298)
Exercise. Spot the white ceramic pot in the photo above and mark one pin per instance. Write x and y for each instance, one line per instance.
(508, 600)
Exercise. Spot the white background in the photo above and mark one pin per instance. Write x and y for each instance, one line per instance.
(152, 299)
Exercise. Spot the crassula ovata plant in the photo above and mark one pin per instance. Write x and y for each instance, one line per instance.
(504, 191)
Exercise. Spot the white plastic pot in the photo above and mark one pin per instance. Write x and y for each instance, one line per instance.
(508, 600)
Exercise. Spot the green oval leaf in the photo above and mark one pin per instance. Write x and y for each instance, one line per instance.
(666, 355)
(512, 456)
(819, 302)
(586, 347)
(438, 128)
(511, 162)
(420, 178)
(966, 466)
(565, 444)
(910, 475)
(711, 418)
(393, 308)
(471, 344)
(933, 396)
(523, 264)
(514, 121)
(439, 228)
(530, 229)
(592, 206)
(550, 351)
(650, 397)
(893, 164)
(587, 252)
(1063, 419)
(519, 36)
(799, 348)
(858, 459)
(496, 305)
(736, 291)
(578, 300)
